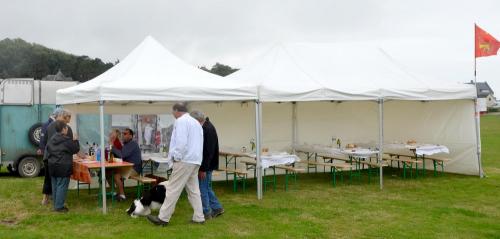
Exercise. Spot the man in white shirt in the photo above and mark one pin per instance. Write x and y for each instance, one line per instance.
(186, 152)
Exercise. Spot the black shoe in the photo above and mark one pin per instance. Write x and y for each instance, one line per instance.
(217, 212)
(195, 222)
(157, 221)
(62, 210)
(208, 216)
(121, 198)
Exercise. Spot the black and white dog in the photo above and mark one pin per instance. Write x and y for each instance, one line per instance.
(151, 200)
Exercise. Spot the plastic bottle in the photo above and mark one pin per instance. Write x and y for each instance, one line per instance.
(111, 158)
(98, 153)
(164, 151)
(92, 149)
(86, 148)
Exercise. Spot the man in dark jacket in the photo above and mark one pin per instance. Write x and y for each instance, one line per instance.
(211, 205)
(59, 154)
(131, 153)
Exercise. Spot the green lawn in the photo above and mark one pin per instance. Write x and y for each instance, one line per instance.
(453, 206)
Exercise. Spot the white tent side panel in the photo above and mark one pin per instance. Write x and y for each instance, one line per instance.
(351, 121)
(234, 122)
(450, 123)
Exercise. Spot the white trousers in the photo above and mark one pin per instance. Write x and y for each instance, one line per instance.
(184, 175)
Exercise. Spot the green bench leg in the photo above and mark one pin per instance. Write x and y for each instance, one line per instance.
(404, 170)
(369, 174)
(235, 182)
(286, 180)
(423, 169)
(435, 167)
(411, 170)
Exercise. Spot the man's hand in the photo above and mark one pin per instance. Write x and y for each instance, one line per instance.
(39, 152)
(202, 175)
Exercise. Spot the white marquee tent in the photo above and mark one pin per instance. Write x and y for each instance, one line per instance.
(354, 92)
(360, 94)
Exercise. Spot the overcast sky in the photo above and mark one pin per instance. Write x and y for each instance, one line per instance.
(430, 36)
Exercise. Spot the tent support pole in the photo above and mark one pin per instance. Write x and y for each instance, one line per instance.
(258, 146)
(103, 171)
(381, 139)
(294, 126)
(476, 118)
(478, 138)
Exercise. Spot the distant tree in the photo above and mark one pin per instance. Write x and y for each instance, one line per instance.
(19, 58)
(220, 69)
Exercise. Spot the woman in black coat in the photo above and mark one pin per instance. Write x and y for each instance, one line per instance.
(59, 154)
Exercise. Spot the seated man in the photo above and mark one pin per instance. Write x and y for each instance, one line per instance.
(131, 153)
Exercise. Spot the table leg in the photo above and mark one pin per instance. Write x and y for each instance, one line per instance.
(274, 179)
(316, 160)
(424, 169)
(333, 175)
(227, 179)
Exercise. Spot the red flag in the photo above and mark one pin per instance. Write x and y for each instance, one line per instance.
(486, 45)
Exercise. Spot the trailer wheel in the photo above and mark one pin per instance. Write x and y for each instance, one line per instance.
(35, 134)
(28, 167)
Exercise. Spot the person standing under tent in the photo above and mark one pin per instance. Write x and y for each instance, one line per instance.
(211, 205)
(186, 153)
(59, 154)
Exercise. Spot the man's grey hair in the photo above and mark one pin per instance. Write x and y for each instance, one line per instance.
(60, 112)
(198, 115)
(180, 107)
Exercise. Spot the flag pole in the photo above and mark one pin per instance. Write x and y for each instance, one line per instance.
(476, 110)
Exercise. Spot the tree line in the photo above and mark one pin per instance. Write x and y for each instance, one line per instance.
(21, 59)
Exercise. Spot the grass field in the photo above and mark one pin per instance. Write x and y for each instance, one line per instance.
(452, 206)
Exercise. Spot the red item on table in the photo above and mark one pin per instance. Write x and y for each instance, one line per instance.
(117, 144)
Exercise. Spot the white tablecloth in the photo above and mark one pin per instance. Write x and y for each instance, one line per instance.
(356, 152)
(360, 152)
(421, 149)
(274, 159)
(164, 163)
(317, 148)
(431, 149)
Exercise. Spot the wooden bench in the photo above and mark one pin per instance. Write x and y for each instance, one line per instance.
(435, 161)
(141, 182)
(294, 171)
(252, 164)
(334, 168)
(238, 176)
(406, 160)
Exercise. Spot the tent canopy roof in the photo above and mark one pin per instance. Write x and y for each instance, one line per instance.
(152, 73)
(310, 72)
